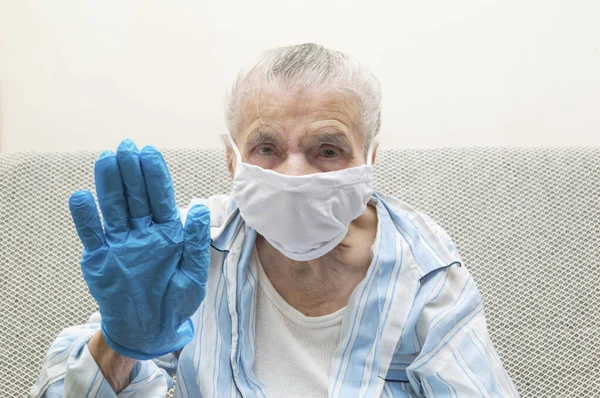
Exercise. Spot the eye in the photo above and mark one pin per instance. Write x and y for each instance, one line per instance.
(265, 150)
(328, 153)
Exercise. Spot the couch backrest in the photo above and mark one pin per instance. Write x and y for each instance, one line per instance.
(526, 222)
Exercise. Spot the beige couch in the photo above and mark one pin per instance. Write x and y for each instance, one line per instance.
(526, 221)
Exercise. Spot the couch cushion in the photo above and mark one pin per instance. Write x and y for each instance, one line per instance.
(526, 222)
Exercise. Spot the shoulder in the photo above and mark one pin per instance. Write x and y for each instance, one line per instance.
(429, 244)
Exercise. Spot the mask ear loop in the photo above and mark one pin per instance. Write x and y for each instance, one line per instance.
(370, 153)
(228, 141)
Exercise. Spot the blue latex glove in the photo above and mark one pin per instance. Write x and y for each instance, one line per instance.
(146, 271)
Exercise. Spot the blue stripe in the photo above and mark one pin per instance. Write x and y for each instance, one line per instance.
(491, 347)
(420, 300)
(394, 281)
(225, 239)
(56, 353)
(245, 297)
(467, 373)
(185, 367)
(368, 321)
(225, 376)
(424, 259)
(407, 389)
(458, 300)
(87, 394)
(450, 386)
(438, 387)
(354, 322)
(425, 386)
(396, 389)
(479, 364)
(217, 332)
(389, 265)
(457, 314)
(441, 288)
(436, 339)
(387, 269)
(437, 254)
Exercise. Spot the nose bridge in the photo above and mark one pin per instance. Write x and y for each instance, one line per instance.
(295, 164)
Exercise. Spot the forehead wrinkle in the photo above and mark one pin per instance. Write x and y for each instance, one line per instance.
(299, 102)
(269, 106)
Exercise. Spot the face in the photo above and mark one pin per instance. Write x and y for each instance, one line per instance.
(300, 133)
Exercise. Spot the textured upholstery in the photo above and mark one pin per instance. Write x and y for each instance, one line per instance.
(526, 221)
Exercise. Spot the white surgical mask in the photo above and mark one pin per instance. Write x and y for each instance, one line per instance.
(304, 217)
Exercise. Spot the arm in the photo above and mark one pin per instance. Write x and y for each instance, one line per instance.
(114, 367)
(145, 268)
(71, 370)
(469, 366)
(457, 357)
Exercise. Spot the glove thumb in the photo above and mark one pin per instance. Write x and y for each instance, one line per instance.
(196, 252)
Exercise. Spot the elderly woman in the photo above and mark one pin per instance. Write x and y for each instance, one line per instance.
(301, 283)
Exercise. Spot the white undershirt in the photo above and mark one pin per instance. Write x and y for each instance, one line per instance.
(293, 351)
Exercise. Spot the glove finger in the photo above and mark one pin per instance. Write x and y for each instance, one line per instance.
(196, 253)
(128, 158)
(111, 195)
(159, 185)
(86, 219)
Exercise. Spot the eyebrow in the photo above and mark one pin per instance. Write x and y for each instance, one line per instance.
(260, 137)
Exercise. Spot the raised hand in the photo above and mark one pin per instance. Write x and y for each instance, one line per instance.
(145, 269)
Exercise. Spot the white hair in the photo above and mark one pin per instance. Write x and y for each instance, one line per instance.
(307, 66)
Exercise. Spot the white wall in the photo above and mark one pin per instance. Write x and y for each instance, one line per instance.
(84, 74)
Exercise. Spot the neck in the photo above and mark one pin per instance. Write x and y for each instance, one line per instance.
(322, 286)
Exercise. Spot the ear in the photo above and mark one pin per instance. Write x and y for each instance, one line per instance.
(375, 146)
(230, 158)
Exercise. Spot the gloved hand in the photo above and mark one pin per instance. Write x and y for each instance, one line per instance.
(146, 271)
